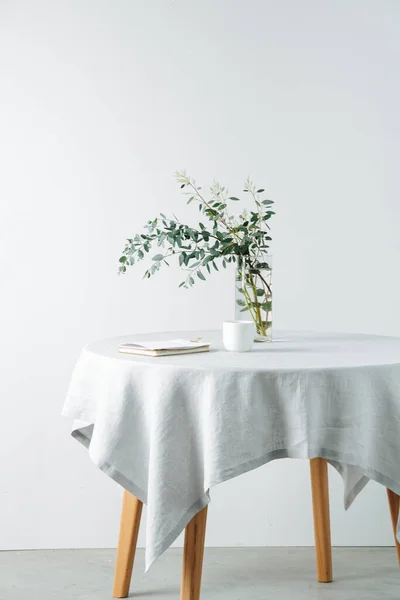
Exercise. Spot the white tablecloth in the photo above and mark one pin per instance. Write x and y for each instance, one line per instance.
(168, 429)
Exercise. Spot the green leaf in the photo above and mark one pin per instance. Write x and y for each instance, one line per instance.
(183, 185)
(200, 275)
(234, 198)
(259, 191)
(267, 202)
(260, 292)
(244, 309)
(123, 259)
(191, 280)
(158, 257)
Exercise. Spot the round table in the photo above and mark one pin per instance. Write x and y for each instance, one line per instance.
(169, 428)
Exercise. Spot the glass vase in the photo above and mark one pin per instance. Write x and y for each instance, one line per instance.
(253, 293)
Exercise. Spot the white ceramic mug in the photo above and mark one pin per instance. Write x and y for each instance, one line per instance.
(238, 336)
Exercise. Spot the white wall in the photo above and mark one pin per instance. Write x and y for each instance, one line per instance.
(101, 101)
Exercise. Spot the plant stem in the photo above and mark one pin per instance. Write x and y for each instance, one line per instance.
(259, 321)
(249, 303)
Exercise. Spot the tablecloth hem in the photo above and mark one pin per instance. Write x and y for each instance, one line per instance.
(83, 435)
(115, 474)
(306, 454)
(159, 549)
(329, 455)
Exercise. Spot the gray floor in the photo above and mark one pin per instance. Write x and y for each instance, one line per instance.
(229, 574)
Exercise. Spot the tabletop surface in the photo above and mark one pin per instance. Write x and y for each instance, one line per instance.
(290, 350)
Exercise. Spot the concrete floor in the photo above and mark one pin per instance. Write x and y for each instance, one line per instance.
(229, 574)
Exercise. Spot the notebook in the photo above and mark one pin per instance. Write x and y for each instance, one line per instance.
(164, 347)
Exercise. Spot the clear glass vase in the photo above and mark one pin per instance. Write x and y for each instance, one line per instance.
(253, 293)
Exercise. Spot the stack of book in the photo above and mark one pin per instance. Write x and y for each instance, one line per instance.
(164, 347)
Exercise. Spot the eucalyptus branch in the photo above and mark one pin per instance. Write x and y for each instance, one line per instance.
(219, 240)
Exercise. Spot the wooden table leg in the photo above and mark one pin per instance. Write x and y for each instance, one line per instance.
(193, 556)
(322, 529)
(394, 504)
(128, 534)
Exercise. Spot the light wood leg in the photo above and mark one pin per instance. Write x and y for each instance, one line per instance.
(322, 529)
(394, 504)
(195, 534)
(128, 534)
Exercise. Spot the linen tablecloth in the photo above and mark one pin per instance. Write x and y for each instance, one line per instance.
(168, 429)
